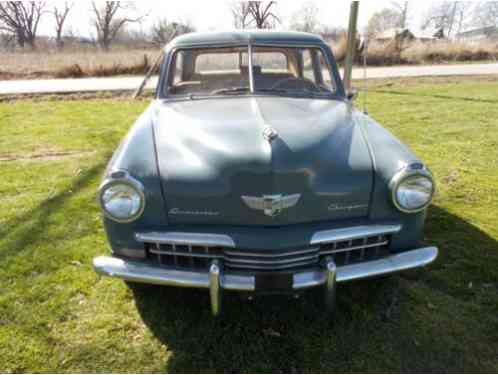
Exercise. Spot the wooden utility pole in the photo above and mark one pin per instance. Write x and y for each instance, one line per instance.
(348, 65)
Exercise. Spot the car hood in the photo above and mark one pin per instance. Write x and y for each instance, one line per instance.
(216, 165)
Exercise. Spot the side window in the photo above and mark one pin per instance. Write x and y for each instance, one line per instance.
(178, 66)
(328, 82)
(316, 68)
(308, 70)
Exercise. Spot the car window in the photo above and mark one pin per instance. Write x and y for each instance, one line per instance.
(216, 62)
(302, 71)
(225, 71)
(268, 61)
(208, 71)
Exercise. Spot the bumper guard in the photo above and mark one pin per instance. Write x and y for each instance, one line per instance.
(216, 280)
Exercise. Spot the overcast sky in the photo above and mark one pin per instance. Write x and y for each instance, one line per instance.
(215, 14)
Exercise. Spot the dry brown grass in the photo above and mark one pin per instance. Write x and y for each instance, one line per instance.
(456, 51)
(74, 63)
(91, 62)
(438, 52)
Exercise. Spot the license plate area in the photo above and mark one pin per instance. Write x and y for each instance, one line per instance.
(274, 282)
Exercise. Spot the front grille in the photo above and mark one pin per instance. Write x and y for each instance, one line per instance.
(196, 257)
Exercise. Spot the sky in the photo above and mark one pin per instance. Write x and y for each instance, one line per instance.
(215, 14)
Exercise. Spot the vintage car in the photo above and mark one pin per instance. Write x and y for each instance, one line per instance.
(252, 171)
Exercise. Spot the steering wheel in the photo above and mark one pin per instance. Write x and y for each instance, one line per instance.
(306, 83)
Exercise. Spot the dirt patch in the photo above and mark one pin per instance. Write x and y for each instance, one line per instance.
(45, 156)
(98, 95)
(375, 83)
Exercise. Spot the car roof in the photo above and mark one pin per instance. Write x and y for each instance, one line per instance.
(244, 37)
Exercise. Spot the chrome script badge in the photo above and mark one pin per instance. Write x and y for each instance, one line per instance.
(271, 205)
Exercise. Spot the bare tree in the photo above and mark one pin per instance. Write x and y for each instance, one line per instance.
(262, 14)
(240, 14)
(163, 30)
(7, 41)
(306, 18)
(60, 16)
(486, 14)
(447, 16)
(108, 20)
(21, 18)
(464, 14)
(403, 10)
(383, 20)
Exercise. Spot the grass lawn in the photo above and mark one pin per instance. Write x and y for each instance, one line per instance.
(57, 315)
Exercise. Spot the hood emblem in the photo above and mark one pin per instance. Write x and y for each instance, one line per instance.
(271, 205)
(270, 134)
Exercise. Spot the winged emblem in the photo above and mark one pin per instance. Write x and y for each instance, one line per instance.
(271, 205)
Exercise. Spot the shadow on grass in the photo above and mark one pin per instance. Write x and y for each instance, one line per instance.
(381, 325)
(30, 227)
(435, 96)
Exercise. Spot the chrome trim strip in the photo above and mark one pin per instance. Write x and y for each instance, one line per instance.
(184, 238)
(144, 273)
(341, 234)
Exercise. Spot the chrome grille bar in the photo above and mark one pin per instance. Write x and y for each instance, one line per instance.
(267, 267)
(272, 262)
(352, 248)
(270, 255)
(179, 254)
(173, 249)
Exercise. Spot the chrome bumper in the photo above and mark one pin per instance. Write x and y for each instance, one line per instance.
(217, 280)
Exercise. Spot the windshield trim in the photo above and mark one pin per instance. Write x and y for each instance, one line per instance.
(338, 93)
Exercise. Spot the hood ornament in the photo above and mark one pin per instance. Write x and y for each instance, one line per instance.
(270, 134)
(271, 205)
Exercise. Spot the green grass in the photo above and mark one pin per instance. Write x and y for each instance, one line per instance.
(56, 315)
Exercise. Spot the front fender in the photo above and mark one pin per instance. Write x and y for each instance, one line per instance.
(136, 155)
(389, 155)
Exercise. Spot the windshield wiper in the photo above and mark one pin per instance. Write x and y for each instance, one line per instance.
(230, 90)
(299, 92)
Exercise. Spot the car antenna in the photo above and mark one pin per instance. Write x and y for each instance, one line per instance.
(152, 69)
(365, 75)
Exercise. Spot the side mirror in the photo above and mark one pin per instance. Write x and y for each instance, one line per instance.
(352, 94)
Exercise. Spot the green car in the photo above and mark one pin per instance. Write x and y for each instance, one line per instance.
(252, 171)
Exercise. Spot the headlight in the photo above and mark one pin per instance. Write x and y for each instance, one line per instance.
(412, 189)
(122, 199)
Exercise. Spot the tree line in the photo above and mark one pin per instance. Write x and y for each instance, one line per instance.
(446, 18)
(20, 20)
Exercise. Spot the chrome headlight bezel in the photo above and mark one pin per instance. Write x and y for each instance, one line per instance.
(122, 178)
(410, 171)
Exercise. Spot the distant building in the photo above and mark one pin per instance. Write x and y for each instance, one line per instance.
(479, 34)
(405, 34)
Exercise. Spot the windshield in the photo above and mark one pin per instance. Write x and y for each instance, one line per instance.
(225, 71)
